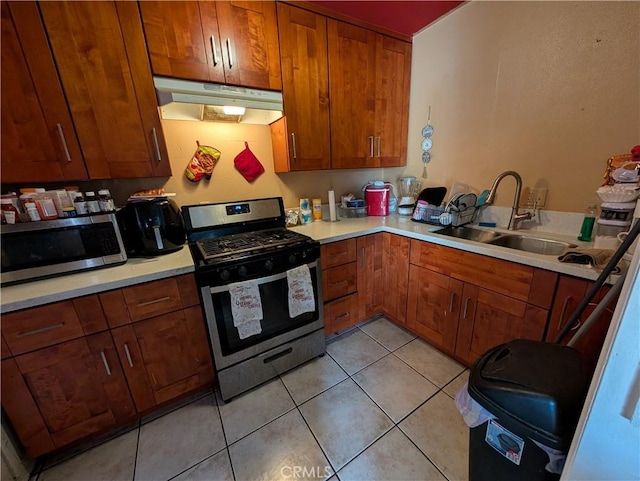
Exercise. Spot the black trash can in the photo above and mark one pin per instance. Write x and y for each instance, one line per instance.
(536, 391)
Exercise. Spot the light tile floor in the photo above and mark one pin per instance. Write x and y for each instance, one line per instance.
(378, 406)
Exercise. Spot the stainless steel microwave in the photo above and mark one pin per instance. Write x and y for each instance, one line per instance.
(36, 250)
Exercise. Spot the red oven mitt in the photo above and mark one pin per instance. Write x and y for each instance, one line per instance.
(248, 164)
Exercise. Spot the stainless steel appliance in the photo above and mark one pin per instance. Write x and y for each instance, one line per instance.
(36, 250)
(247, 240)
(151, 227)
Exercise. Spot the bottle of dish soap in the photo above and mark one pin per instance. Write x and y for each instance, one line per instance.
(587, 223)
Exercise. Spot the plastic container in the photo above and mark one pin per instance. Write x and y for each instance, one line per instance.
(376, 196)
(587, 223)
(80, 204)
(46, 205)
(611, 228)
(535, 392)
(317, 209)
(93, 206)
(617, 210)
(106, 201)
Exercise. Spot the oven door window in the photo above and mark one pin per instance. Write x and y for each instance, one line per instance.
(275, 314)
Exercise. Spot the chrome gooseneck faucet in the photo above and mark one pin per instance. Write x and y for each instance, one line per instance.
(515, 217)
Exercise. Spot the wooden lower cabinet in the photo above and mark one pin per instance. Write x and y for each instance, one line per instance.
(65, 392)
(465, 304)
(570, 292)
(66, 376)
(341, 313)
(395, 277)
(369, 268)
(487, 319)
(164, 357)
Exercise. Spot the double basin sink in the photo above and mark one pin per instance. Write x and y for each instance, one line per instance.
(536, 245)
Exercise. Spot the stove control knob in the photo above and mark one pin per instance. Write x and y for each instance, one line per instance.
(225, 275)
(242, 271)
(293, 259)
(268, 265)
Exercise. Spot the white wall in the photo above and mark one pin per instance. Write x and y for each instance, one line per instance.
(549, 89)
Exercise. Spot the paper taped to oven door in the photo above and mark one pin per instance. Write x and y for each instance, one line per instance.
(246, 308)
(301, 298)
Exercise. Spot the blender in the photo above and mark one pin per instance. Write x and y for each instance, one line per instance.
(409, 188)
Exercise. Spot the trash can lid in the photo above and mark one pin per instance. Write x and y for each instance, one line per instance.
(537, 386)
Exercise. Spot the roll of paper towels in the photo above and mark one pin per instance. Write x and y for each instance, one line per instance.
(332, 205)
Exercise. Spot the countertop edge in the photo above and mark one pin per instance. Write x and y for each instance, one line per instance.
(136, 271)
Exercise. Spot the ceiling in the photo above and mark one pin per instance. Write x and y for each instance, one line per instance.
(404, 17)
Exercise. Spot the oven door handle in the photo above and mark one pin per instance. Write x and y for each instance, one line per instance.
(261, 280)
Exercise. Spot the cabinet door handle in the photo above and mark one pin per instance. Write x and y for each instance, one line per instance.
(293, 144)
(466, 307)
(451, 299)
(216, 59)
(126, 351)
(64, 142)
(378, 147)
(344, 314)
(564, 308)
(362, 258)
(157, 145)
(155, 301)
(41, 330)
(229, 52)
(106, 364)
(371, 146)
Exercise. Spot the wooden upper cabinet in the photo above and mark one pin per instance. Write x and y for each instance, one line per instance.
(393, 77)
(39, 142)
(304, 133)
(352, 91)
(369, 77)
(99, 51)
(233, 42)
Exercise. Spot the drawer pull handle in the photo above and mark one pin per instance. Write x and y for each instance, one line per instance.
(106, 364)
(155, 301)
(466, 307)
(286, 352)
(64, 142)
(344, 314)
(41, 330)
(126, 351)
(156, 144)
(336, 284)
(371, 146)
(362, 258)
(216, 60)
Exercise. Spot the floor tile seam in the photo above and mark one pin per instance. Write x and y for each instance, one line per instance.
(388, 349)
(260, 427)
(374, 339)
(319, 393)
(179, 405)
(135, 457)
(324, 453)
(364, 367)
(367, 446)
(439, 387)
(424, 454)
(199, 462)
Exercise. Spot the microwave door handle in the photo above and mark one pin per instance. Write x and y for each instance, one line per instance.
(156, 233)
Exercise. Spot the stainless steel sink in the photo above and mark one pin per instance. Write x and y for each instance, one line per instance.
(469, 233)
(535, 245)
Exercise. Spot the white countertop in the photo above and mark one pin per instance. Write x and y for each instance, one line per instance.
(135, 271)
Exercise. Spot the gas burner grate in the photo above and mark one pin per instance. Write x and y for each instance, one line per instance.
(259, 241)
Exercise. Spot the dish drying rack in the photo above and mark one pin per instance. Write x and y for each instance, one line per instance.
(444, 215)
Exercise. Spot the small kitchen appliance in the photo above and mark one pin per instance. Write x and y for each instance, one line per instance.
(246, 244)
(377, 195)
(151, 226)
(408, 189)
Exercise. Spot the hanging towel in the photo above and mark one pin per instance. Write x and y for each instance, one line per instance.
(246, 308)
(301, 298)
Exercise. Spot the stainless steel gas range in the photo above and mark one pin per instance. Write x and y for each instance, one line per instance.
(246, 264)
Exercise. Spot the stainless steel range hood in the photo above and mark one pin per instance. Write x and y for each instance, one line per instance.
(189, 100)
